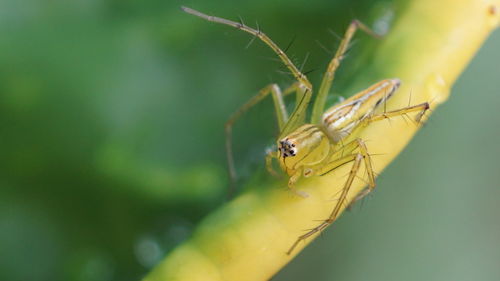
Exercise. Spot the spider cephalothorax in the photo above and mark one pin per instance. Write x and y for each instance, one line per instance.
(305, 147)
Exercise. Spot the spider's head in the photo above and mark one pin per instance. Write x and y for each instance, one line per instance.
(287, 148)
(306, 146)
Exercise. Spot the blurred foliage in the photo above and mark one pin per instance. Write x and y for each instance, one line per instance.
(112, 144)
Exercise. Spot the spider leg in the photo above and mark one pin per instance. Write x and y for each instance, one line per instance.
(291, 183)
(326, 83)
(349, 147)
(421, 109)
(262, 36)
(269, 162)
(339, 160)
(281, 116)
(357, 158)
(298, 116)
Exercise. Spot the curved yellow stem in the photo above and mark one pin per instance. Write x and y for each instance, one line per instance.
(247, 239)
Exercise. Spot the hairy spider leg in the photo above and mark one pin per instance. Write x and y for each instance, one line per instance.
(326, 83)
(298, 115)
(357, 158)
(421, 109)
(281, 116)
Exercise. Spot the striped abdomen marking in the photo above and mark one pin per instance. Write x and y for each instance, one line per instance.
(341, 119)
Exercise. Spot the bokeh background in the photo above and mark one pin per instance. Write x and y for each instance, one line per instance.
(112, 146)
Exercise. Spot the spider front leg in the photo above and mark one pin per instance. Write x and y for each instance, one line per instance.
(349, 147)
(298, 116)
(357, 158)
(326, 83)
(338, 159)
(293, 180)
(270, 155)
(281, 116)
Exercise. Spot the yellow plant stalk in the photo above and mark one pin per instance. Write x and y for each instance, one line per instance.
(247, 239)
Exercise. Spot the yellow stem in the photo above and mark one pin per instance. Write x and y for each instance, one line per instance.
(247, 239)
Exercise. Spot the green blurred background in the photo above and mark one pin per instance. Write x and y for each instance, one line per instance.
(112, 146)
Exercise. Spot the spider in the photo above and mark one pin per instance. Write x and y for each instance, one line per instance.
(328, 140)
